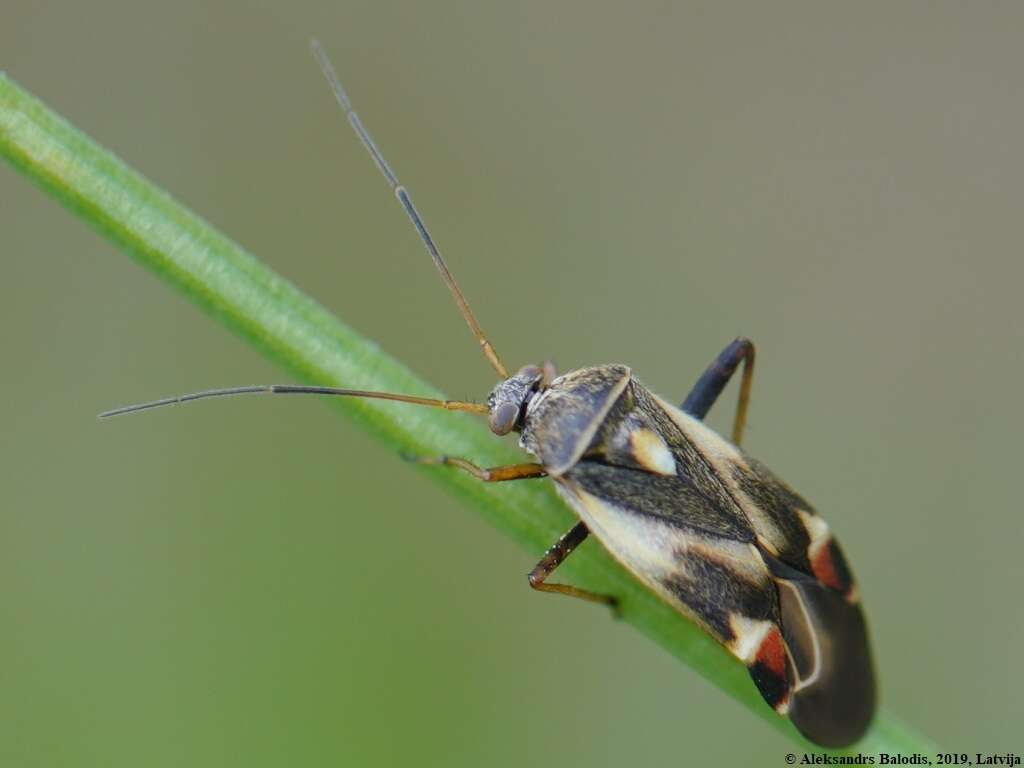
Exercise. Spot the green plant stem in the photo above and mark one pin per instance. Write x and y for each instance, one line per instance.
(314, 346)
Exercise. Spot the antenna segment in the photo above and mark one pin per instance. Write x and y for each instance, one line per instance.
(410, 209)
(296, 389)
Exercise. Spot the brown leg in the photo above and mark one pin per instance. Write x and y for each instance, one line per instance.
(491, 475)
(739, 421)
(549, 374)
(558, 551)
(713, 381)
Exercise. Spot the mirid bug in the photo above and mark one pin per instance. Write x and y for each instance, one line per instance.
(704, 526)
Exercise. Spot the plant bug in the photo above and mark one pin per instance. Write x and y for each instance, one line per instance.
(704, 526)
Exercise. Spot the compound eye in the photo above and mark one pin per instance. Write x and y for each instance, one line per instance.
(503, 418)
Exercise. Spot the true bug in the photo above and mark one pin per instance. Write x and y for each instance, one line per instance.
(707, 528)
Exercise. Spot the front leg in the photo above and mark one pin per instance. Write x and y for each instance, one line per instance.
(557, 552)
(491, 475)
(711, 383)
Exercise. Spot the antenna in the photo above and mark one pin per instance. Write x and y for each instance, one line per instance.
(295, 389)
(406, 201)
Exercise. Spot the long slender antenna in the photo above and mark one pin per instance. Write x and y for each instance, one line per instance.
(406, 201)
(296, 389)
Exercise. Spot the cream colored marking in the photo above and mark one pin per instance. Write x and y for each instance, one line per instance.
(817, 529)
(652, 547)
(748, 634)
(769, 546)
(742, 558)
(768, 532)
(649, 549)
(704, 438)
(651, 452)
(646, 545)
(629, 557)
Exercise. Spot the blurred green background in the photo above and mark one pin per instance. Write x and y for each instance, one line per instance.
(637, 184)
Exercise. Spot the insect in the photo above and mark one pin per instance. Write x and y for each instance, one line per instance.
(706, 527)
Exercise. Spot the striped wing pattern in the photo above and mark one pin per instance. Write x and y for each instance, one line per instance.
(717, 536)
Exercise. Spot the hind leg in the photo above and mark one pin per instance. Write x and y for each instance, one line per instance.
(711, 383)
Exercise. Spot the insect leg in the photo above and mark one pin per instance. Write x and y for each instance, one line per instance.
(550, 373)
(711, 383)
(557, 553)
(491, 475)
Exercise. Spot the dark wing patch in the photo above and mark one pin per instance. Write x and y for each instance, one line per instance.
(772, 670)
(677, 501)
(716, 593)
(833, 697)
(620, 468)
(806, 542)
(780, 504)
(692, 553)
(782, 521)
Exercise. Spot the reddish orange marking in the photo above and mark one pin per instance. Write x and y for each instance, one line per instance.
(772, 653)
(825, 568)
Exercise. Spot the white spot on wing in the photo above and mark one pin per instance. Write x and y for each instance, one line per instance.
(741, 557)
(715, 447)
(654, 551)
(818, 531)
(645, 545)
(727, 459)
(651, 452)
(748, 634)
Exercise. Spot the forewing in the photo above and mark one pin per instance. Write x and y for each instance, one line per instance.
(830, 671)
(834, 690)
(711, 573)
(784, 524)
(719, 537)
